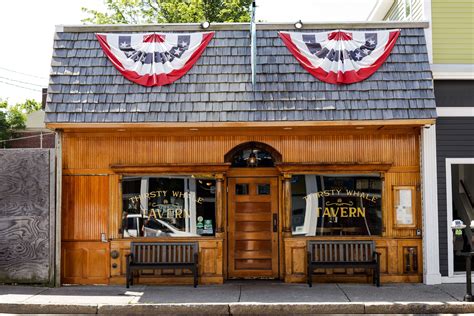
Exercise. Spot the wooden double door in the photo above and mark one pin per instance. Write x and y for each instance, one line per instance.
(253, 227)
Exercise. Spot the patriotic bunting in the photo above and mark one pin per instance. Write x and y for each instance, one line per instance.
(341, 57)
(154, 59)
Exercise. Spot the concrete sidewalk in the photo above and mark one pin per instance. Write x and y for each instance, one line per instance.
(234, 298)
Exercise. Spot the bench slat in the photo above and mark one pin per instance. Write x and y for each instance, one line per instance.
(162, 255)
(331, 254)
(163, 252)
(341, 251)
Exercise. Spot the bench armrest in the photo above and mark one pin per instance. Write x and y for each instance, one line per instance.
(376, 255)
(129, 257)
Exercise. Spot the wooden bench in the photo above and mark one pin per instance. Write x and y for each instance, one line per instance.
(162, 255)
(328, 254)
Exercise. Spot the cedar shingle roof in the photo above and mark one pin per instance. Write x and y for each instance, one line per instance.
(86, 88)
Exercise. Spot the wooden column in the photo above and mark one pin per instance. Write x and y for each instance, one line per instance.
(220, 205)
(286, 205)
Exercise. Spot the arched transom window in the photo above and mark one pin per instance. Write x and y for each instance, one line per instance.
(252, 154)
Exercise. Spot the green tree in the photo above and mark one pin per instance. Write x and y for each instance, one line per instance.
(4, 128)
(13, 118)
(170, 11)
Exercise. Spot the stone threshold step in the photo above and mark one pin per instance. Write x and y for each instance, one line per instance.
(244, 308)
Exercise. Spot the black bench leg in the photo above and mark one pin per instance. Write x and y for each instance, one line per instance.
(195, 276)
(127, 276)
(195, 270)
(377, 271)
(374, 276)
(310, 272)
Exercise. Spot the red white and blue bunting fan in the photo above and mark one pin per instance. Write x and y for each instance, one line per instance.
(341, 57)
(154, 59)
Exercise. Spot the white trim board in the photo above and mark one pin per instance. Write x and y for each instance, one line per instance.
(380, 10)
(428, 31)
(453, 71)
(458, 277)
(466, 111)
(429, 189)
(452, 277)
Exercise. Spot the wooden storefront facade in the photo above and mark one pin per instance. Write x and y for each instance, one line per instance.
(257, 167)
(95, 161)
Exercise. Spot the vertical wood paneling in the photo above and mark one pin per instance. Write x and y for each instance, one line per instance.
(88, 199)
(85, 207)
(85, 263)
(210, 264)
(392, 263)
(115, 206)
(89, 151)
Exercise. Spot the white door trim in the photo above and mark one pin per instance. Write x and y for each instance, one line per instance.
(452, 277)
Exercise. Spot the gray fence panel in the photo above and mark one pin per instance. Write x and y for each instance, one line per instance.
(27, 216)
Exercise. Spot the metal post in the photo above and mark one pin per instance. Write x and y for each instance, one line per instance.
(253, 42)
(468, 296)
(468, 254)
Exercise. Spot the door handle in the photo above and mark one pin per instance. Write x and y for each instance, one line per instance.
(275, 222)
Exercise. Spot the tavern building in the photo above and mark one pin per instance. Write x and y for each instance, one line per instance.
(249, 171)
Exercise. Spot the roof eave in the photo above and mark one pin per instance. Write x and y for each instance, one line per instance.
(279, 124)
(235, 26)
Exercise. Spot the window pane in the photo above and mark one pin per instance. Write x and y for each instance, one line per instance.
(252, 157)
(336, 205)
(174, 206)
(242, 189)
(263, 189)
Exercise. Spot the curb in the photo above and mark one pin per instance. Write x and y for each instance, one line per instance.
(295, 308)
(419, 308)
(166, 309)
(245, 308)
(19, 308)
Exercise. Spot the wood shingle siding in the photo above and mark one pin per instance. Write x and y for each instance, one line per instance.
(86, 88)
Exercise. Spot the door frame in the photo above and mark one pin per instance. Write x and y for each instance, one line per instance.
(265, 172)
(453, 277)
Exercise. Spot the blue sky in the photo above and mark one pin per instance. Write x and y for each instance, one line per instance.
(27, 30)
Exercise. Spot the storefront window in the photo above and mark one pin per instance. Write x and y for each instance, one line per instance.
(336, 205)
(174, 206)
